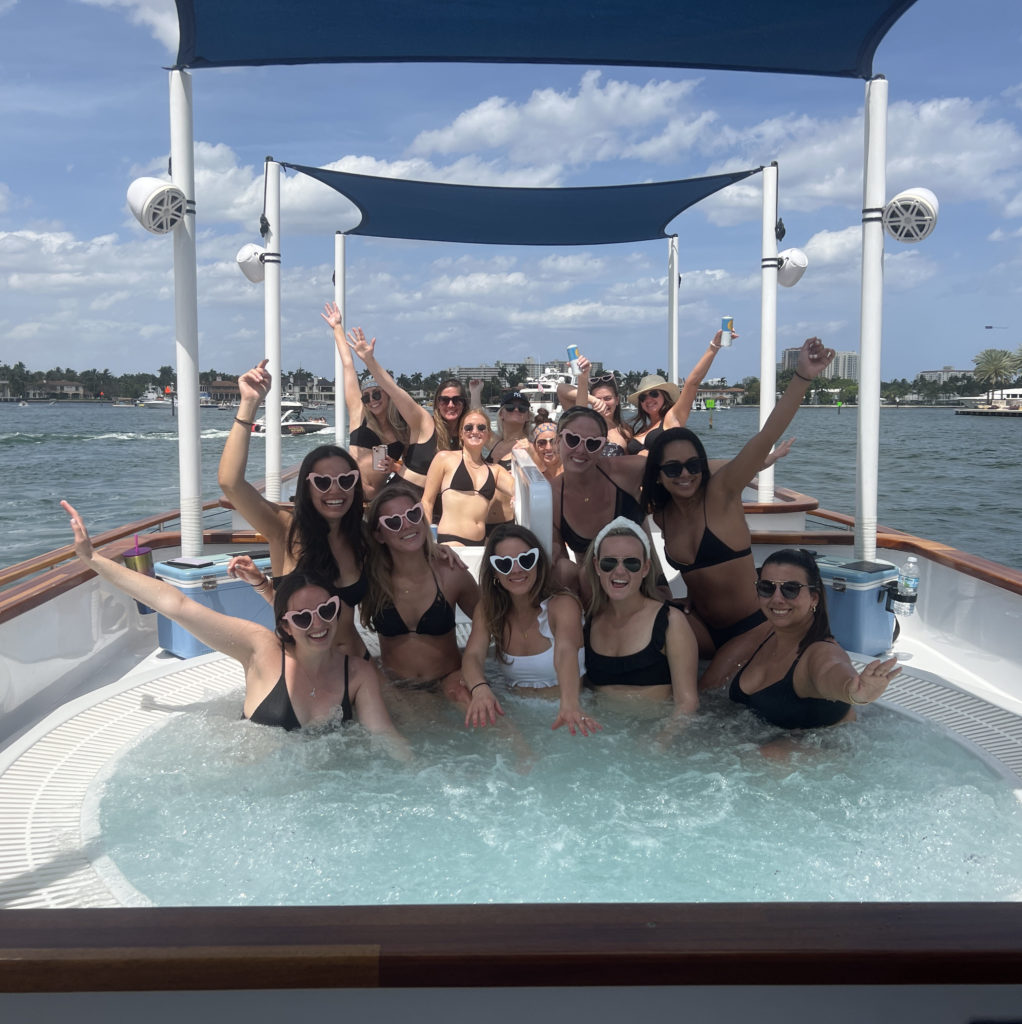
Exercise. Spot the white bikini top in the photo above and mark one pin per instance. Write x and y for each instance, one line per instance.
(536, 671)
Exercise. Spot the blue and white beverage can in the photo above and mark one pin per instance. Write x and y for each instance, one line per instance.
(573, 358)
(727, 325)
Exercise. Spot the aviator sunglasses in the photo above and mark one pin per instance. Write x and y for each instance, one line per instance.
(608, 564)
(592, 444)
(322, 481)
(302, 619)
(372, 396)
(505, 564)
(545, 442)
(412, 516)
(672, 470)
(471, 428)
(789, 589)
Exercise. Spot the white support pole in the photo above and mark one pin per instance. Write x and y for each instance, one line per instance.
(768, 318)
(672, 309)
(874, 191)
(271, 326)
(341, 427)
(186, 317)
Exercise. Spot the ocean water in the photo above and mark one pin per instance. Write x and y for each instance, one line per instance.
(945, 477)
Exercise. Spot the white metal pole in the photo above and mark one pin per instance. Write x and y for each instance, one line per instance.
(672, 309)
(768, 318)
(874, 191)
(186, 317)
(341, 427)
(271, 323)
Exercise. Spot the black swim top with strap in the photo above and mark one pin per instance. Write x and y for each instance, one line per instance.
(462, 481)
(276, 708)
(365, 437)
(353, 592)
(780, 705)
(419, 456)
(712, 551)
(647, 667)
(436, 620)
(624, 505)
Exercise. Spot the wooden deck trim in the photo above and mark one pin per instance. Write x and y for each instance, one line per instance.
(512, 945)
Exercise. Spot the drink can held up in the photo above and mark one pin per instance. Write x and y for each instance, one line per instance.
(573, 358)
(727, 325)
(140, 560)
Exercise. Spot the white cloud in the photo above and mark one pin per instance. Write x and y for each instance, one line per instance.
(478, 285)
(573, 264)
(159, 16)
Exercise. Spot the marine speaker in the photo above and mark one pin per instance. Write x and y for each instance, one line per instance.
(911, 215)
(157, 205)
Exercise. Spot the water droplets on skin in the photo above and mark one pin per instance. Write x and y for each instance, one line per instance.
(886, 809)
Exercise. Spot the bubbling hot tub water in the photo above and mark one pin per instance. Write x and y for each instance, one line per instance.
(209, 810)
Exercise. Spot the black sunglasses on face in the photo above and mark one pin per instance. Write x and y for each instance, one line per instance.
(789, 589)
(451, 400)
(516, 407)
(471, 428)
(672, 470)
(608, 564)
(371, 396)
(651, 394)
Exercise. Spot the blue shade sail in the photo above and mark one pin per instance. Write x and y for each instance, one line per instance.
(432, 211)
(808, 37)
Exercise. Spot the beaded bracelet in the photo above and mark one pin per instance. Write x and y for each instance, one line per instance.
(244, 423)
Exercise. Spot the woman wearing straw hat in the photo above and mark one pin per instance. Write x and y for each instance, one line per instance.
(662, 405)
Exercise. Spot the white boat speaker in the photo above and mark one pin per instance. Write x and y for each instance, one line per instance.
(791, 265)
(250, 259)
(911, 215)
(157, 205)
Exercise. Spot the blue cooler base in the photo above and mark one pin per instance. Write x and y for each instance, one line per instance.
(857, 604)
(210, 586)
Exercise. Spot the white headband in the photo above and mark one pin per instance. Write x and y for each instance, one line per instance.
(621, 523)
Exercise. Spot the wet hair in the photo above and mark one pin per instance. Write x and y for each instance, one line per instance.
(494, 598)
(804, 560)
(379, 561)
(444, 440)
(284, 588)
(598, 599)
(577, 411)
(654, 495)
(307, 538)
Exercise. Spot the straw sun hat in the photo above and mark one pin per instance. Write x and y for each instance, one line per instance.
(654, 382)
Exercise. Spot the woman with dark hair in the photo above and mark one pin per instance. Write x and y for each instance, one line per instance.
(601, 392)
(661, 405)
(636, 647)
(799, 677)
(408, 585)
(536, 631)
(322, 534)
(450, 403)
(294, 677)
(380, 423)
(591, 491)
(699, 511)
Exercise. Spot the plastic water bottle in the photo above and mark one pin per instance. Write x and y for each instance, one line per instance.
(908, 587)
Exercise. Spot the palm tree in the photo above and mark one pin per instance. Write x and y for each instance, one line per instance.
(996, 366)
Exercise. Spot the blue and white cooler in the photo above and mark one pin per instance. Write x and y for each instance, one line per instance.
(205, 580)
(857, 604)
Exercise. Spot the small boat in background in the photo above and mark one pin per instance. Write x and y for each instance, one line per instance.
(292, 422)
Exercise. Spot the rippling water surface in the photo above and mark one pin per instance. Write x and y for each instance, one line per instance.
(950, 478)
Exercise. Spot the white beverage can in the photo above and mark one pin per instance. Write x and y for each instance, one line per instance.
(727, 325)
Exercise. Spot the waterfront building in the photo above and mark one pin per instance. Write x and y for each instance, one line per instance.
(943, 375)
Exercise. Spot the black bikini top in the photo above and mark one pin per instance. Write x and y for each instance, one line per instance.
(712, 551)
(276, 708)
(462, 481)
(436, 620)
(420, 455)
(365, 437)
(624, 505)
(351, 595)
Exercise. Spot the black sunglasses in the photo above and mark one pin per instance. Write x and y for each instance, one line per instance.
(693, 466)
(789, 589)
(471, 428)
(451, 399)
(608, 564)
(516, 406)
(650, 394)
(372, 396)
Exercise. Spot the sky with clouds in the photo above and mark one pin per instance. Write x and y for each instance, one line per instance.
(84, 110)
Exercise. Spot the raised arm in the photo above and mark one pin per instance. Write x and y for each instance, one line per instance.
(234, 637)
(434, 481)
(677, 415)
(813, 359)
(419, 420)
(565, 617)
(352, 392)
(264, 515)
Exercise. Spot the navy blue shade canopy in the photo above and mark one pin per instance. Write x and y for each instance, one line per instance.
(437, 212)
(809, 37)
